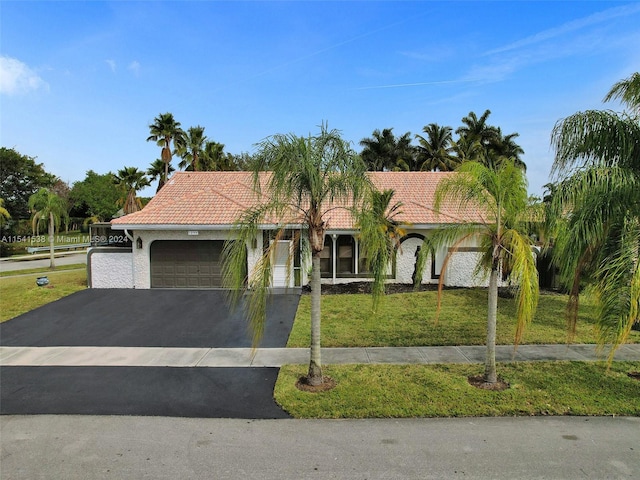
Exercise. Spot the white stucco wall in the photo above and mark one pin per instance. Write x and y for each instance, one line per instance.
(110, 267)
(406, 262)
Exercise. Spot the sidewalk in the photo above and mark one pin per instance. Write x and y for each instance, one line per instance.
(276, 357)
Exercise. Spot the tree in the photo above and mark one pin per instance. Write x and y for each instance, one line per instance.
(307, 179)
(381, 234)
(49, 208)
(20, 177)
(383, 151)
(94, 197)
(481, 142)
(435, 152)
(4, 213)
(597, 211)
(215, 159)
(156, 172)
(192, 149)
(505, 246)
(164, 131)
(129, 180)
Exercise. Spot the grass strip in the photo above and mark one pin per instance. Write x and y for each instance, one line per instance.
(409, 319)
(404, 391)
(20, 294)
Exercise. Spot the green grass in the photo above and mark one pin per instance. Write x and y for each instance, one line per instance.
(397, 391)
(20, 294)
(408, 319)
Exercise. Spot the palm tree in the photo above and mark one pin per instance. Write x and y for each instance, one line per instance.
(130, 180)
(383, 151)
(381, 234)
(475, 128)
(505, 246)
(308, 178)
(156, 172)
(164, 131)
(214, 158)
(192, 149)
(47, 207)
(435, 152)
(597, 211)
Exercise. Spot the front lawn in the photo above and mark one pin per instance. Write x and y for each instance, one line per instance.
(20, 294)
(537, 388)
(408, 319)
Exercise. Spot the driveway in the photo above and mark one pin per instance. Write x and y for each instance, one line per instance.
(143, 318)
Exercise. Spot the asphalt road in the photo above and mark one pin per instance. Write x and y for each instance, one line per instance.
(88, 448)
(39, 262)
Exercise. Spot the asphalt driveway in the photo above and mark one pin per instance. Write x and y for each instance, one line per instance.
(130, 318)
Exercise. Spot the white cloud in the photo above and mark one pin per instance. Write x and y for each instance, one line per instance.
(112, 65)
(17, 78)
(134, 67)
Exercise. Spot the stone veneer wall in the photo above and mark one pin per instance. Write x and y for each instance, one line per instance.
(110, 267)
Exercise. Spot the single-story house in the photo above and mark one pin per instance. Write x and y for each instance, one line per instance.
(176, 240)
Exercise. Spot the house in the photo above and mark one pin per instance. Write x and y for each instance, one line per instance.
(177, 239)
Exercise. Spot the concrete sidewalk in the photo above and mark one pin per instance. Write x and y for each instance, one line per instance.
(276, 357)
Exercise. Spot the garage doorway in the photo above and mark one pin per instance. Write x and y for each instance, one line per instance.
(186, 263)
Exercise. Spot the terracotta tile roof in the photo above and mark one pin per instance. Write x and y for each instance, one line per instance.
(218, 199)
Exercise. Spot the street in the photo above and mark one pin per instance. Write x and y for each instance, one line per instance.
(42, 261)
(96, 447)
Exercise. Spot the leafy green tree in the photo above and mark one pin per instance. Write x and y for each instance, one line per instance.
(596, 202)
(4, 213)
(215, 159)
(129, 180)
(383, 151)
(505, 245)
(94, 197)
(20, 177)
(192, 149)
(165, 131)
(435, 152)
(307, 179)
(49, 208)
(156, 172)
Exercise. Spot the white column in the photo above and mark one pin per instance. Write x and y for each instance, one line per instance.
(334, 256)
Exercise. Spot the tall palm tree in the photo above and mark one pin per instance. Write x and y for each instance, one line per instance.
(478, 129)
(505, 245)
(192, 149)
(380, 234)
(215, 159)
(308, 178)
(49, 208)
(165, 131)
(435, 152)
(597, 207)
(157, 170)
(130, 180)
(383, 151)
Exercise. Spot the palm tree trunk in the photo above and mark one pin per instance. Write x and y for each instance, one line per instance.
(315, 363)
(490, 374)
(52, 263)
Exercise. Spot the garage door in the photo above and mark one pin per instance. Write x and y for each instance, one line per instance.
(186, 263)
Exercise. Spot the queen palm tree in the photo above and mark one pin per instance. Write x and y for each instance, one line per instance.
(505, 245)
(435, 152)
(192, 149)
(165, 131)
(308, 178)
(156, 172)
(49, 208)
(130, 180)
(597, 211)
(380, 234)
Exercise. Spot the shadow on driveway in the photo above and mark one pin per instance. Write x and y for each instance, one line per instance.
(144, 318)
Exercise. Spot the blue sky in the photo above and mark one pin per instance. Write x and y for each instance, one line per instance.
(81, 81)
